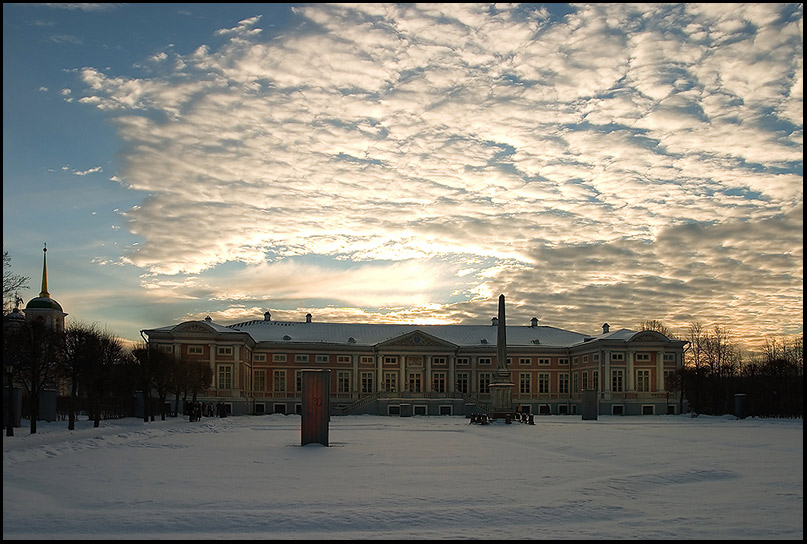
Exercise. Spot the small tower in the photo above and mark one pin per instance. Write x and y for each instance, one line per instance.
(43, 308)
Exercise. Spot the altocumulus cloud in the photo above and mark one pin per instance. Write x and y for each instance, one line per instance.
(623, 162)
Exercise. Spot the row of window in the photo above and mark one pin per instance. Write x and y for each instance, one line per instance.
(439, 381)
(391, 360)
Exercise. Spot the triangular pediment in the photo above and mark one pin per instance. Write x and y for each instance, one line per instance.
(417, 340)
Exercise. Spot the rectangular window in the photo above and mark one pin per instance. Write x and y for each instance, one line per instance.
(563, 383)
(279, 381)
(367, 359)
(224, 350)
(585, 381)
(439, 382)
(390, 360)
(440, 361)
(367, 382)
(260, 380)
(596, 379)
(563, 361)
(301, 358)
(343, 382)
(196, 350)
(616, 381)
(524, 361)
(165, 348)
(390, 381)
(543, 383)
(279, 358)
(463, 360)
(596, 357)
(524, 383)
(645, 357)
(225, 377)
(298, 381)
(617, 356)
(643, 381)
(322, 358)
(342, 358)
(414, 382)
(574, 382)
(260, 357)
(669, 357)
(484, 382)
(543, 361)
(462, 382)
(485, 360)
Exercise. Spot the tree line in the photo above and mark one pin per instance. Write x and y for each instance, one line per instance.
(96, 373)
(716, 369)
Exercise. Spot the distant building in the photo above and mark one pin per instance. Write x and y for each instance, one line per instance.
(426, 369)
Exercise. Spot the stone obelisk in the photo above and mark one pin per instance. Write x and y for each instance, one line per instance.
(501, 388)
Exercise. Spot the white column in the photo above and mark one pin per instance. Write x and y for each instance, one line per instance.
(660, 371)
(427, 387)
(630, 384)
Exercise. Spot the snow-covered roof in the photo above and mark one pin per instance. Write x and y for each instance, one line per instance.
(368, 334)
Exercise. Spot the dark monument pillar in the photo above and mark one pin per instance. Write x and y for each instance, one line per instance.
(591, 405)
(501, 390)
(316, 406)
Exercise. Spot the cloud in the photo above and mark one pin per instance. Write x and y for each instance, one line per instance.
(573, 156)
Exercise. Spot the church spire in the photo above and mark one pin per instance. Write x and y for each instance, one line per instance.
(44, 292)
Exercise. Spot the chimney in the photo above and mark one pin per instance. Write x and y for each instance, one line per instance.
(605, 328)
(534, 322)
(267, 316)
(308, 318)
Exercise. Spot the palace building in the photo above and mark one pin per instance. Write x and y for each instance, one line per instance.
(386, 369)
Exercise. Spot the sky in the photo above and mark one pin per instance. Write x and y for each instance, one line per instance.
(408, 163)
(392, 478)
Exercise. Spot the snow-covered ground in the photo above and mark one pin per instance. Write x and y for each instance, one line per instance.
(660, 477)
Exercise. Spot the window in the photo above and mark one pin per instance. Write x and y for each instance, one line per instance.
(574, 382)
(343, 381)
(585, 358)
(365, 359)
(524, 361)
(595, 357)
(439, 382)
(596, 377)
(643, 381)
(343, 358)
(366, 382)
(484, 382)
(563, 383)
(462, 382)
(390, 360)
(524, 382)
(322, 358)
(196, 350)
(616, 381)
(543, 383)
(298, 381)
(279, 358)
(390, 381)
(585, 381)
(484, 360)
(260, 380)
(669, 357)
(224, 350)
(301, 358)
(165, 348)
(563, 361)
(463, 360)
(279, 382)
(225, 380)
(617, 356)
(543, 361)
(414, 382)
(644, 357)
(260, 357)
(439, 361)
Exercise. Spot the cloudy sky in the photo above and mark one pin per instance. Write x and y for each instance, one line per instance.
(408, 163)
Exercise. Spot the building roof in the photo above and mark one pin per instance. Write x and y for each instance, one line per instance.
(367, 334)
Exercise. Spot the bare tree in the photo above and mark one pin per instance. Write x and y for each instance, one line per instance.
(12, 283)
